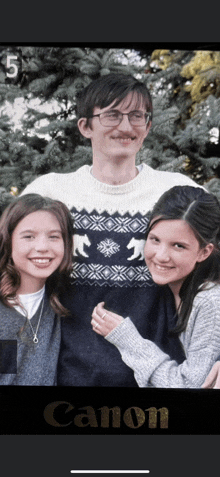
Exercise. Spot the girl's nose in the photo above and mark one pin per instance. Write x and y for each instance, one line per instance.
(163, 254)
(41, 244)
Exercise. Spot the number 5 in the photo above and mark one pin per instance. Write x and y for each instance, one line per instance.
(11, 65)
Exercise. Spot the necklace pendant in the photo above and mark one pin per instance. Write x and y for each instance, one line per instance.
(35, 338)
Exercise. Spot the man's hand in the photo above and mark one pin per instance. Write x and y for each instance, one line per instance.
(103, 321)
(213, 379)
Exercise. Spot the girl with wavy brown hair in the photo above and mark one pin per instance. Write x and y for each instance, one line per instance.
(36, 248)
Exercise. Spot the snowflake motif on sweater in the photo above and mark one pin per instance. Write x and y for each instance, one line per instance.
(108, 247)
(116, 246)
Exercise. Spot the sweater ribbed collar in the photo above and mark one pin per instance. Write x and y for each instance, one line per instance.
(94, 183)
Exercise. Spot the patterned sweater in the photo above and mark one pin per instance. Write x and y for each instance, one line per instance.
(110, 225)
(201, 342)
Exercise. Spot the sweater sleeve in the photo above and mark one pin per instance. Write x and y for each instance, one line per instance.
(152, 367)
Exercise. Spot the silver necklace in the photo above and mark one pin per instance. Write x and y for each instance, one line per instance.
(35, 338)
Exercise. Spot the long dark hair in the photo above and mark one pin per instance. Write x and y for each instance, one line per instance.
(9, 276)
(201, 211)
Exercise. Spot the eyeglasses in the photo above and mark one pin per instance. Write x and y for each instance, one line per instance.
(114, 118)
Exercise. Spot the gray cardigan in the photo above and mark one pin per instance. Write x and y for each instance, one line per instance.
(36, 363)
(201, 342)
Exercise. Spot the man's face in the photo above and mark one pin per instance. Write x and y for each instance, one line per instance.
(117, 142)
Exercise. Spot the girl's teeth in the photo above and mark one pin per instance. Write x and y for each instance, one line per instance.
(41, 260)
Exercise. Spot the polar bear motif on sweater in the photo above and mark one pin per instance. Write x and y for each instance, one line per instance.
(78, 244)
(138, 246)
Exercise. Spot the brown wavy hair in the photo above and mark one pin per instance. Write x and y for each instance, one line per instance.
(9, 276)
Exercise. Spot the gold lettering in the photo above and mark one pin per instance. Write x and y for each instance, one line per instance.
(89, 418)
(130, 414)
(49, 413)
(153, 417)
(57, 414)
(115, 414)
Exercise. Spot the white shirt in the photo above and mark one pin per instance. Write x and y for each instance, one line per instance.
(30, 302)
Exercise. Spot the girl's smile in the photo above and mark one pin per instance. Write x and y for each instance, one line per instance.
(41, 262)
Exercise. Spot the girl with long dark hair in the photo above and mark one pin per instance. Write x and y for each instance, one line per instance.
(182, 251)
(36, 248)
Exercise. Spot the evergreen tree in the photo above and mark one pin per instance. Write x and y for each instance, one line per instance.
(185, 132)
(42, 81)
(47, 79)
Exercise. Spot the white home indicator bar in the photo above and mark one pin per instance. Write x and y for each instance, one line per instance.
(110, 471)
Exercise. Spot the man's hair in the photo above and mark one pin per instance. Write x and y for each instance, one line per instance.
(108, 89)
(20, 208)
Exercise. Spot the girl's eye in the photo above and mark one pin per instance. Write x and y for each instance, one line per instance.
(55, 237)
(153, 239)
(179, 246)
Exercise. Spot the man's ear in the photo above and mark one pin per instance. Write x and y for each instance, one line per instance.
(205, 252)
(85, 130)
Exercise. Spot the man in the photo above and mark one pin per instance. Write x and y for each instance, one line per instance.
(110, 202)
